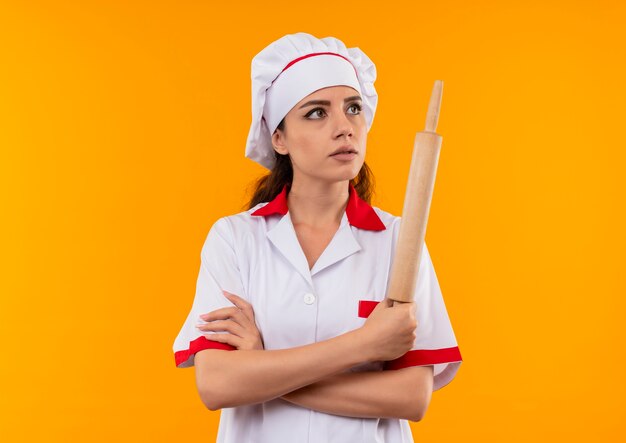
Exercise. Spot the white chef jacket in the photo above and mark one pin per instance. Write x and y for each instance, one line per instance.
(256, 255)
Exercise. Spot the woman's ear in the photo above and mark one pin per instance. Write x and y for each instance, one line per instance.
(278, 142)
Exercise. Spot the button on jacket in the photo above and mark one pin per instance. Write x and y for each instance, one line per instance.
(256, 255)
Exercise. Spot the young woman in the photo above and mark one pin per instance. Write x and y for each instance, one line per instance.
(290, 331)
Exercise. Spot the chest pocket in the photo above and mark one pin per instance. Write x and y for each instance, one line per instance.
(366, 307)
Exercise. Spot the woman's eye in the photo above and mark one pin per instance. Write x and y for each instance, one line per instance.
(317, 111)
(313, 112)
(357, 106)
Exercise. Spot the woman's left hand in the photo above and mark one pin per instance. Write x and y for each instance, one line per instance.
(237, 321)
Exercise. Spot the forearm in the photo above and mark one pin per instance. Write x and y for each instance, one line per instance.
(233, 378)
(403, 393)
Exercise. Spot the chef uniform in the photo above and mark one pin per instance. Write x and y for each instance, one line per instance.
(256, 255)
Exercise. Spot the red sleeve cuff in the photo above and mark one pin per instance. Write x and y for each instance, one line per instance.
(198, 345)
(422, 357)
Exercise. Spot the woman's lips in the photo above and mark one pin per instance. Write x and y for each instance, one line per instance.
(347, 156)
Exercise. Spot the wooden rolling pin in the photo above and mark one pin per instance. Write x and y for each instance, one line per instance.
(419, 191)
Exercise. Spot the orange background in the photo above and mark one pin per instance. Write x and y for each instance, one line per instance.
(122, 131)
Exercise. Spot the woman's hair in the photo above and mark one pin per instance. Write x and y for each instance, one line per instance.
(269, 186)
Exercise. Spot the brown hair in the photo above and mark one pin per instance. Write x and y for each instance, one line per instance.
(269, 186)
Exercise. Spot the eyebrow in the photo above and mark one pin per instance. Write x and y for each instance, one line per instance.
(327, 103)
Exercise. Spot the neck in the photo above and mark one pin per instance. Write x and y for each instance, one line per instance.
(317, 205)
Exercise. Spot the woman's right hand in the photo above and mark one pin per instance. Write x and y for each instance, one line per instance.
(237, 322)
(389, 330)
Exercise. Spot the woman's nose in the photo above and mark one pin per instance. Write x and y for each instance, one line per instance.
(343, 125)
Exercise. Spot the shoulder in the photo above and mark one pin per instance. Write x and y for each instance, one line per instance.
(392, 225)
(234, 226)
(390, 220)
(243, 220)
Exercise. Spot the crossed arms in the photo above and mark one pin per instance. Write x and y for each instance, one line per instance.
(316, 376)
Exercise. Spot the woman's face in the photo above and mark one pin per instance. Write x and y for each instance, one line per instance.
(317, 126)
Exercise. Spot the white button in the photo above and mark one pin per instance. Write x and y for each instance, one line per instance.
(309, 298)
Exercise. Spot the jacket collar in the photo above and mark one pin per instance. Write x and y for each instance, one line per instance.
(360, 214)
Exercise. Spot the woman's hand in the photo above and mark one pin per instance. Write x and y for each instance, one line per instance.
(238, 322)
(390, 330)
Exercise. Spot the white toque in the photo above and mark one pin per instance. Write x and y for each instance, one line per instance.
(293, 67)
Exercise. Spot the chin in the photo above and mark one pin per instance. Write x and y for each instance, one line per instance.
(346, 173)
(348, 176)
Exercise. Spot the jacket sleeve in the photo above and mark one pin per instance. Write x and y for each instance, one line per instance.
(218, 271)
(435, 343)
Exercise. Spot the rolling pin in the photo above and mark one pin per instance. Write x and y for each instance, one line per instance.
(419, 192)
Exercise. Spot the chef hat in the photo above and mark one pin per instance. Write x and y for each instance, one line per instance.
(293, 67)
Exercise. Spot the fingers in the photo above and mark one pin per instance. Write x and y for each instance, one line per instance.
(234, 325)
(408, 306)
(242, 304)
(229, 339)
(387, 302)
(230, 313)
(222, 314)
(384, 303)
(223, 325)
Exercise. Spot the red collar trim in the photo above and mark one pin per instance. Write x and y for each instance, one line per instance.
(360, 213)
